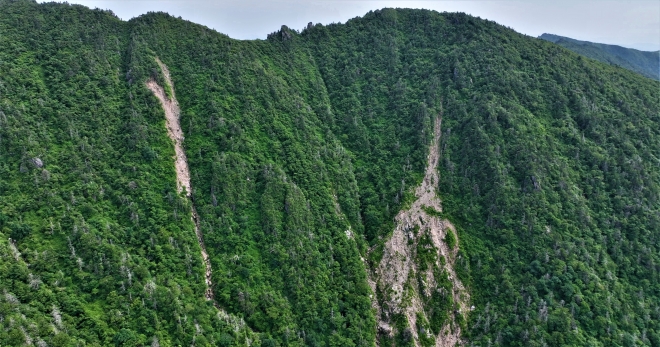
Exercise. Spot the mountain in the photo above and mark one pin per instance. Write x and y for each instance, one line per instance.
(645, 63)
(408, 178)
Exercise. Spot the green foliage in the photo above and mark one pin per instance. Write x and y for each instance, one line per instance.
(441, 303)
(450, 239)
(549, 168)
(274, 189)
(426, 254)
(426, 337)
(102, 251)
(302, 149)
(431, 211)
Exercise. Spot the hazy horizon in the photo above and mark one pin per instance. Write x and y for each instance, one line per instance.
(633, 24)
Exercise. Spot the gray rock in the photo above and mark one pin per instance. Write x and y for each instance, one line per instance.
(37, 162)
(286, 34)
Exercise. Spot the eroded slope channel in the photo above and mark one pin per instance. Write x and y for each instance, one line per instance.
(415, 280)
(172, 112)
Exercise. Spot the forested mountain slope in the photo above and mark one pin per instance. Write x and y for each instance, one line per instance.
(644, 63)
(304, 151)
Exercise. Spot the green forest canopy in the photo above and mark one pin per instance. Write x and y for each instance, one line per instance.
(549, 171)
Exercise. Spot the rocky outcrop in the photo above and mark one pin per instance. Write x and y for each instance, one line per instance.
(403, 278)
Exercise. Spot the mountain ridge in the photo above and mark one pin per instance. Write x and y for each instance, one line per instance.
(646, 63)
(302, 149)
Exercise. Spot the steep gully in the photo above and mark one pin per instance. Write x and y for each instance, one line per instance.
(398, 266)
(172, 112)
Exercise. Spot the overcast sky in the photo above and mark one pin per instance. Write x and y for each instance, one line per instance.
(632, 23)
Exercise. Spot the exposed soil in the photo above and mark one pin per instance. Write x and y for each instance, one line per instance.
(397, 266)
(172, 113)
